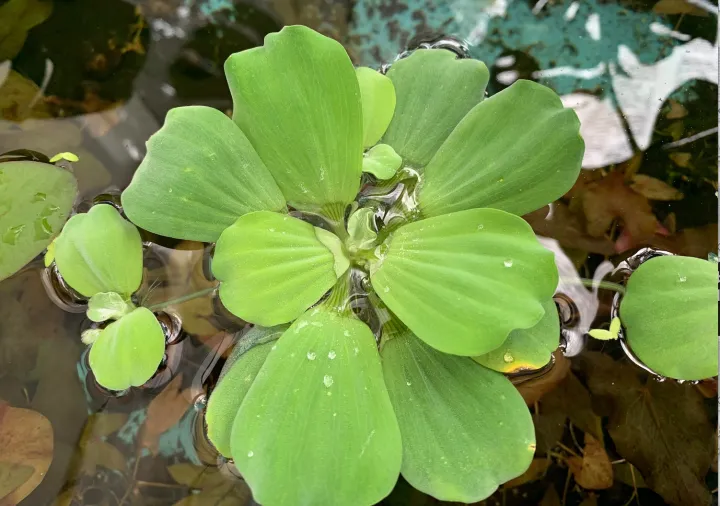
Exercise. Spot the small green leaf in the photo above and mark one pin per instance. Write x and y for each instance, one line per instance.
(516, 151)
(361, 229)
(670, 313)
(527, 349)
(378, 103)
(108, 306)
(606, 335)
(434, 91)
(100, 251)
(381, 161)
(35, 200)
(128, 351)
(66, 155)
(236, 377)
(298, 101)
(465, 429)
(463, 281)
(272, 267)
(200, 174)
(318, 418)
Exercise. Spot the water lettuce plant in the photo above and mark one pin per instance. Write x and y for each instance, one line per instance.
(99, 255)
(311, 408)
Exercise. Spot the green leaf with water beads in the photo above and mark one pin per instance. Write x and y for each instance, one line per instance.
(35, 200)
(378, 103)
(317, 426)
(381, 161)
(465, 429)
(670, 314)
(272, 267)
(235, 380)
(463, 281)
(434, 91)
(128, 351)
(527, 349)
(516, 151)
(200, 174)
(298, 101)
(108, 306)
(100, 251)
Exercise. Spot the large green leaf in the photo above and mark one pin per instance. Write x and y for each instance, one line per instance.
(199, 175)
(516, 151)
(298, 101)
(378, 103)
(465, 429)
(237, 375)
(670, 311)
(272, 267)
(317, 427)
(527, 349)
(35, 200)
(434, 91)
(128, 351)
(463, 281)
(100, 251)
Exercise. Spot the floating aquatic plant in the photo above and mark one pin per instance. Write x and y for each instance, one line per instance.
(316, 412)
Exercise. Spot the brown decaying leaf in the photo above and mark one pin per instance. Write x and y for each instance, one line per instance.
(627, 474)
(678, 7)
(537, 469)
(94, 451)
(682, 159)
(199, 477)
(677, 110)
(532, 390)
(165, 410)
(654, 189)
(568, 229)
(592, 471)
(660, 428)
(26, 440)
(551, 497)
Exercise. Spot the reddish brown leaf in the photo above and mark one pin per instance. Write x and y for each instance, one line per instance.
(537, 469)
(533, 389)
(654, 189)
(592, 471)
(164, 411)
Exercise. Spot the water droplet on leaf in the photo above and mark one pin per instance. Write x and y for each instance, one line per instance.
(12, 234)
(508, 357)
(481, 226)
(251, 453)
(682, 279)
(311, 355)
(327, 380)
(331, 355)
(39, 197)
(508, 263)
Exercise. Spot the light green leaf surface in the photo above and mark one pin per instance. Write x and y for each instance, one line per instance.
(272, 267)
(465, 429)
(200, 174)
(378, 103)
(381, 161)
(606, 335)
(128, 351)
(463, 281)
(670, 312)
(434, 91)
(318, 419)
(516, 151)
(236, 377)
(527, 349)
(35, 200)
(298, 101)
(108, 305)
(100, 251)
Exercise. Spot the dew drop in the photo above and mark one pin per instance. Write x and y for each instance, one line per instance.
(508, 357)
(170, 190)
(481, 226)
(272, 230)
(43, 230)
(39, 197)
(311, 355)
(334, 415)
(408, 383)
(356, 350)
(681, 278)
(346, 333)
(328, 380)
(274, 347)
(331, 355)
(251, 453)
(386, 289)
(508, 263)
(12, 234)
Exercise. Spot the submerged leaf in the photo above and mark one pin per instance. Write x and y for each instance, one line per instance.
(298, 101)
(235, 380)
(527, 349)
(378, 103)
(462, 282)
(35, 200)
(100, 251)
(592, 471)
(381, 161)
(128, 351)
(16, 18)
(670, 312)
(200, 174)
(465, 429)
(516, 151)
(319, 406)
(272, 267)
(434, 91)
(164, 411)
